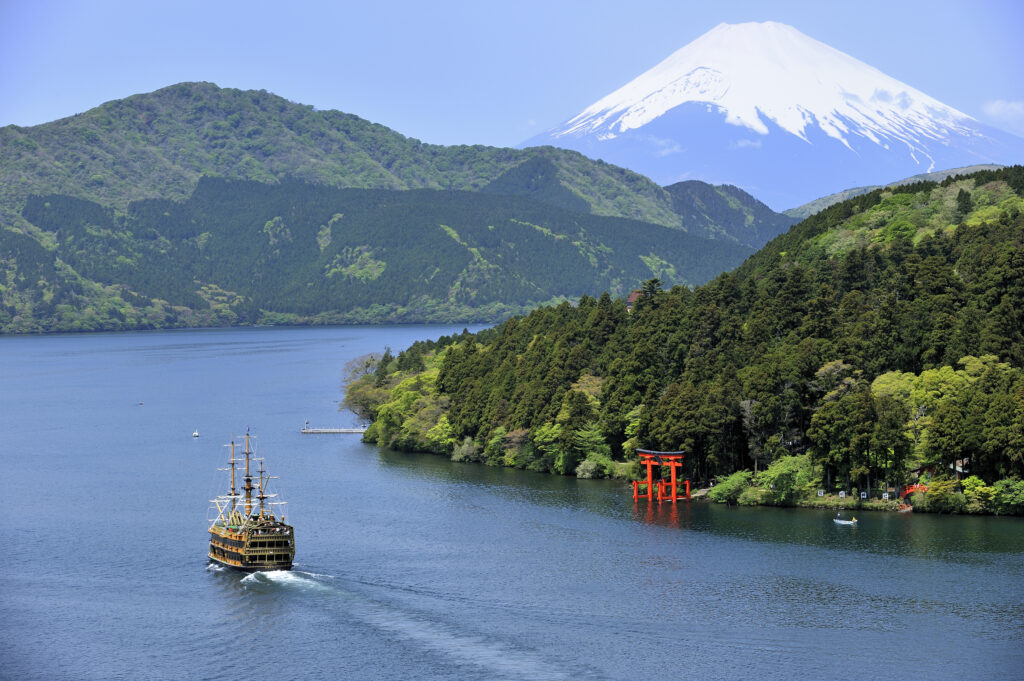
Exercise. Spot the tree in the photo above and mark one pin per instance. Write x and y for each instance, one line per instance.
(888, 437)
(964, 204)
(650, 288)
(383, 367)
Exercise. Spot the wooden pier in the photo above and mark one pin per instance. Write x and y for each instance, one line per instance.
(331, 431)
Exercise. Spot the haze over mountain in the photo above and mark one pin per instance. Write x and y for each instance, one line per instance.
(784, 116)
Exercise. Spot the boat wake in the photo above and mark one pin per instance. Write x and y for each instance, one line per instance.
(496, 658)
(286, 578)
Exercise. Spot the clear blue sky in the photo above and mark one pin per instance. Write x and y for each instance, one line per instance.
(473, 72)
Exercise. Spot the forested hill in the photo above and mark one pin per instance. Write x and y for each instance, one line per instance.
(727, 212)
(241, 252)
(878, 337)
(157, 145)
(83, 246)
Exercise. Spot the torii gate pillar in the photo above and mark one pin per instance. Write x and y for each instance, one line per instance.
(673, 460)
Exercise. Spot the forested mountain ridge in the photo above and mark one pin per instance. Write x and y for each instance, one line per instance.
(83, 249)
(725, 211)
(157, 145)
(820, 204)
(241, 252)
(879, 337)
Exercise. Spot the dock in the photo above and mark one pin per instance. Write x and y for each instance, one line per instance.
(331, 431)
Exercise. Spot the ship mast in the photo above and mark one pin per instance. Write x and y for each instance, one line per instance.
(248, 477)
(261, 496)
(231, 498)
(231, 462)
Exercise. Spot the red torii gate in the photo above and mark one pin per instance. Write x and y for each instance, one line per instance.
(649, 458)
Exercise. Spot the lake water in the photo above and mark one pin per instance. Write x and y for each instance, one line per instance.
(412, 567)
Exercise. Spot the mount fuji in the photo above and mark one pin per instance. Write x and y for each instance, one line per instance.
(784, 116)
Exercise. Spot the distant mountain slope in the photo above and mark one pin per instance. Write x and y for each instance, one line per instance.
(726, 211)
(157, 145)
(82, 247)
(903, 216)
(243, 252)
(818, 205)
(786, 117)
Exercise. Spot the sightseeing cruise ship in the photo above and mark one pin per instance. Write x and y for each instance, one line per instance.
(245, 533)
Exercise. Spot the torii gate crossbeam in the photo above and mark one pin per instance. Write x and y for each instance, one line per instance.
(649, 458)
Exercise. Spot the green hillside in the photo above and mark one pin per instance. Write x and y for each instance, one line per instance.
(241, 252)
(818, 205)
(724, 211)
(84, 246)
(877, 342)
(157, 145)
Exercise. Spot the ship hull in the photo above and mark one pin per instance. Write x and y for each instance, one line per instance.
(244, 568)
(255, 551)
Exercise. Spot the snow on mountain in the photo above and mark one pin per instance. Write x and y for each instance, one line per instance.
(768, 90)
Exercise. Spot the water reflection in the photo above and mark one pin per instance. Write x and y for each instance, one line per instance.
(957, 539)
(664, 514)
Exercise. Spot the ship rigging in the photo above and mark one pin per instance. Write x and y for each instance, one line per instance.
(245, 533)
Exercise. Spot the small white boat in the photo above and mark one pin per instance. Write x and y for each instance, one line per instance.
(839, 521)
(195, 433)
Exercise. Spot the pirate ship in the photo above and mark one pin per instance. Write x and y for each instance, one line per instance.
(244, 532)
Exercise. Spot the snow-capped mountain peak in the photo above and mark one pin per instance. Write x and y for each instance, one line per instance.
(786, 117)
(754, 72)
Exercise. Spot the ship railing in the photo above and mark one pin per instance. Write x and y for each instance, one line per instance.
(270, 549)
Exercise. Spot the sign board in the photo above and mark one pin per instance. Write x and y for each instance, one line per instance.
(842, 495)
(821, 492)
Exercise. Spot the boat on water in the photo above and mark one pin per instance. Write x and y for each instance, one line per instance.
(245, 533)
(839, 521)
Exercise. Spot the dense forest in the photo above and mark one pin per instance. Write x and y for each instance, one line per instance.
(114, 218)
(158, 145)
(727, 212)
(878, 342)
(240, 252)
(821, 203)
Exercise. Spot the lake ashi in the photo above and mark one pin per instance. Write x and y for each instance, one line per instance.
(410, 566)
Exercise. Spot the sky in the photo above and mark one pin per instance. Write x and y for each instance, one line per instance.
(472, 72)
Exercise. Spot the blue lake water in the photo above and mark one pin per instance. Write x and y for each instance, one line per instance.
(412, 567)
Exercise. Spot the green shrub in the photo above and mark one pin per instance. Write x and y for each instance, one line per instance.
(494, 453)
(943, 497)
(466, 452)
(596, 465)
(785, 479)
(1009, 497)
(980, 497)
(753, 496)
(440, 436)
(589, 468)
(728, 491)
(879, 505)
